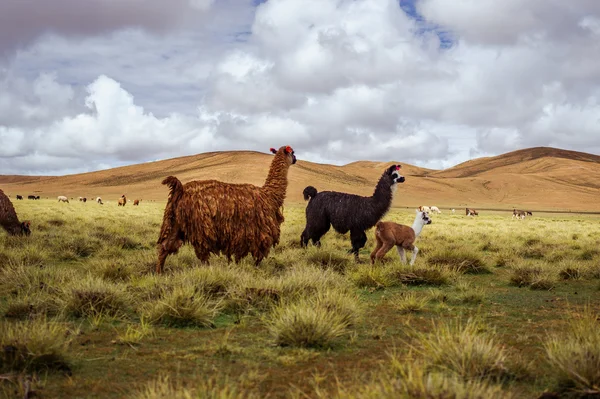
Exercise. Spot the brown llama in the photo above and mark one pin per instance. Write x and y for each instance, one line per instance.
(122, 200)
(9, 220)
(136, 202)
(231, 219)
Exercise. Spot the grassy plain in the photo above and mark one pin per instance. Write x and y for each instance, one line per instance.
(493, 308)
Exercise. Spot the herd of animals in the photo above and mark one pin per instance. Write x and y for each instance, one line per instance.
(61, 198)
(237, 220)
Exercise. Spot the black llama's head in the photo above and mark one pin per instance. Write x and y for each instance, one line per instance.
(394, 174)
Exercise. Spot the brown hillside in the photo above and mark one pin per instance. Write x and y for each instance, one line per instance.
(516, 158)
(538, 178)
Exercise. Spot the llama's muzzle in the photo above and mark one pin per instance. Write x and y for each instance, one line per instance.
(400, 179)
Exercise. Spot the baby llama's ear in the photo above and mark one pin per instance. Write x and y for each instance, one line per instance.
(273, 150)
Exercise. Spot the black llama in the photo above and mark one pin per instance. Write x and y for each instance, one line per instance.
(348, 212)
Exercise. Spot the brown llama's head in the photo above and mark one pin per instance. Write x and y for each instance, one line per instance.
(288, 152)
(25, 228)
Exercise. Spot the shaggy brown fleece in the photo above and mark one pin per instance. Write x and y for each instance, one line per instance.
(232, 219)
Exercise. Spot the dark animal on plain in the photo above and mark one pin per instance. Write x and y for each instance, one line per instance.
(84, 199)
(19, 197)
(37, 197)
(529, 213)
(9, 220)
(122, 200)
(348, 212)
(223, 218)
(31, 197)
(136, 202)
(471, 212)
(519, 214)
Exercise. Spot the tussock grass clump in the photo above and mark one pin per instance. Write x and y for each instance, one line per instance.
(544, 282)
(77, 247)
(164, 388)
(31, 306)
(20, 280)
(407, 275)
(305, 324)
(523, 276)
(367, 276)
(588, 254)
(34, 345)
(466, 350)
(345, 305)
(114, 271)
(135, 333)
(398, 379)
(570, 273)
(574, 356)
(183, 307)
(93, 296)
(213, 281)
(472, 296)
(305, 281)
(459, 261)
(409, 302)
(328, 260)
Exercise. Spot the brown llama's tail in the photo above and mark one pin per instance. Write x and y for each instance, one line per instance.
(175, 194)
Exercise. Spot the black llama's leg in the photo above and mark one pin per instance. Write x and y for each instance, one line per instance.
(358, 239)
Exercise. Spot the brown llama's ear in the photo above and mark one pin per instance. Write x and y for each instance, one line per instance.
(273, 150)
(288, 150)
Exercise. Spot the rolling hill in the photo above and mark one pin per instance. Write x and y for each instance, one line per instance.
(538, 178)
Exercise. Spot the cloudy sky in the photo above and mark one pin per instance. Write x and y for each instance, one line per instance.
(87, 85)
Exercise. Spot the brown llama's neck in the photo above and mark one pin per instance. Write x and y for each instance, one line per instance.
(276, 183)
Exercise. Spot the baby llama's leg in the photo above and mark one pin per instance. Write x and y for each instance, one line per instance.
(402, 253)
(377, 247)
(415, 251)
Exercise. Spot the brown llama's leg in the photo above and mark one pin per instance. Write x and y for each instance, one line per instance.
(385, 248)
(377, 247)
(201, 254)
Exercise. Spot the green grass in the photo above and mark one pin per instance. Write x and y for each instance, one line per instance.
(79, 296)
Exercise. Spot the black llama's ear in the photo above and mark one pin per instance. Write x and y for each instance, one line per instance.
(273, 150)
(393, 168)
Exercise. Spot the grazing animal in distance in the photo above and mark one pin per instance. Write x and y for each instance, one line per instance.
(31, 197)
(99, 200)
(453, 210)
(9, 220)
(81, 199)
(122, 200)
(348, 212)
(232, 219)
(471, 212)
(19, 197)
(529, 213)
(435, 209)
(84, 199)
(388, 234)
(136, 202)
(518, 214)
(62, 198)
